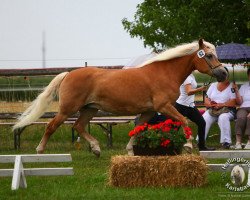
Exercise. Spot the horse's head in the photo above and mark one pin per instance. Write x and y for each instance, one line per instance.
(206, 61)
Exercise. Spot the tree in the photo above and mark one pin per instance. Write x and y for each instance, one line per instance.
(165, 23)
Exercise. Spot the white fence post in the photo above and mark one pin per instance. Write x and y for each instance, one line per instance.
(227, 154)
(18, 175)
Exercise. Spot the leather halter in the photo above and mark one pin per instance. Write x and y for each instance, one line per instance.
(212, 67)
(209, 63)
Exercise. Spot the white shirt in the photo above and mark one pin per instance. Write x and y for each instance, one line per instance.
(245, 93)
(184, 99)
(220, 96)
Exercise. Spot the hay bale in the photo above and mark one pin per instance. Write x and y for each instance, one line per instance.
(158, 171)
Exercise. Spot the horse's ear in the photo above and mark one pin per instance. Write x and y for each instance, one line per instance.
(201, 45)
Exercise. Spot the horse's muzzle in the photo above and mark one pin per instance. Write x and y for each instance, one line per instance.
(220, 74)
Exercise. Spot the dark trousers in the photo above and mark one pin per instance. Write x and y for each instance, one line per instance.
(195, 116)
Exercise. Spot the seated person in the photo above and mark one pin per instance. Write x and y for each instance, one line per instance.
(221, 102)
(242, 124)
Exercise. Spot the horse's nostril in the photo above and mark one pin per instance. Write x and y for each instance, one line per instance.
(224, 73)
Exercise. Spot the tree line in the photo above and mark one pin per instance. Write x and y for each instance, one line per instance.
(166, 23)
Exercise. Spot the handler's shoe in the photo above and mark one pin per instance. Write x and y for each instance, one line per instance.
(247, 146)
(204, 148)
(226, 145)
(238, 146)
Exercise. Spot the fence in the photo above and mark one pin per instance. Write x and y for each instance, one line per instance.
(19, 173)
(226, 155)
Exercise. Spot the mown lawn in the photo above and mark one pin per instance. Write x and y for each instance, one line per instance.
(90, 180)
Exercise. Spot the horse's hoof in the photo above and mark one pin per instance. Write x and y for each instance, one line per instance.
(96, 149)
(39, 150)
(188, 149)
(130, 152)
(97, 153)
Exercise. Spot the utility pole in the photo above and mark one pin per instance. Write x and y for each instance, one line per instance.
(44, 50)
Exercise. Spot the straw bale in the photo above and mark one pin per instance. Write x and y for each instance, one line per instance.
(158, 171)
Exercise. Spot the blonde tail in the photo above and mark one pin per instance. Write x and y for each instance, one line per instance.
(41, 103)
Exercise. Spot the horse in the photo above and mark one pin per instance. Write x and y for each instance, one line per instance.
(148, 88)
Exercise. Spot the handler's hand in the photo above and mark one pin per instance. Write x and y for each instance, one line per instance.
(213, 104)
(203, 88)
(235, 87)
(248, 116)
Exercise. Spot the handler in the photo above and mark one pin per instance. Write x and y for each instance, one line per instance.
(185, 105)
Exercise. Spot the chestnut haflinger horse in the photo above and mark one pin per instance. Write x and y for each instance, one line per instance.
(146, 89)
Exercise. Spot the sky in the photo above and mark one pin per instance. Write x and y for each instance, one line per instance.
(76, 31)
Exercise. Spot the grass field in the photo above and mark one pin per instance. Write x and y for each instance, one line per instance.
(90, 180)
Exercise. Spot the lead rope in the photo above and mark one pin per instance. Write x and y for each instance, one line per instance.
(232, 89)
(204, 93)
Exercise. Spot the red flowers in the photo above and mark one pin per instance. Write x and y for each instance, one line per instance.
(188, 132)
(164, 134)
(165, 143)
(137, 129)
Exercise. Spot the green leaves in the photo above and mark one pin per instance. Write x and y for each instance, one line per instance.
(166, 23)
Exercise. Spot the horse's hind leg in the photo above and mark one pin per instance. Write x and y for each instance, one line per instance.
(145, 117)
(50, 129)
(86, 114)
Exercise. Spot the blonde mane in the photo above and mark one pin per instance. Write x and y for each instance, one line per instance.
(178, 51)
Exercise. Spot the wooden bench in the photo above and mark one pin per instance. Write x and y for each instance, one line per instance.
(105, 121)
(227, 155)
(19, 172)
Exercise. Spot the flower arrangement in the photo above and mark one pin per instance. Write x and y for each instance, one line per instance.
(165, 134)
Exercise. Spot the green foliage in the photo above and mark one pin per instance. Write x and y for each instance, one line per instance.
(248, 23)
(165, 23)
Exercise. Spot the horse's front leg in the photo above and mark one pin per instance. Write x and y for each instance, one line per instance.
(129, 146)
(144, 117)
(170, 110)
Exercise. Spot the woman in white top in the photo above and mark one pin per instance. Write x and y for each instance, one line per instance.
(221, 101)
(185, 105)
(242, 124)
